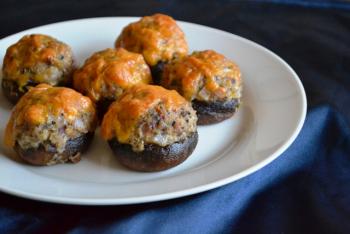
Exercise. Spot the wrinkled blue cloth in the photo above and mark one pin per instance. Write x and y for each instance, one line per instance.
(305, 190)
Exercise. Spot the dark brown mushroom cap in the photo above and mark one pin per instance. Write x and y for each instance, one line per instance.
(42, 157)
(12, 91)
(154, 157)
(215, 112)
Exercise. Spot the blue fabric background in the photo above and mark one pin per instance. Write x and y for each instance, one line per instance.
(306, 190)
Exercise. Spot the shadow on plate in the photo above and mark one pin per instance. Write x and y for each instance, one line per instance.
(100, 154)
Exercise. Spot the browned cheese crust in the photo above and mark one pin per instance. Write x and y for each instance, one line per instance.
(106, 74)
(35, 59)
(51, 125)
(209, 80)
(157, 38)
(149, 118)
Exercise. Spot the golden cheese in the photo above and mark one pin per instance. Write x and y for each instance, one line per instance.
(205, 76)
(37, 58)
(42, 101)
(157, 37)
(125, 113)
(107, 73)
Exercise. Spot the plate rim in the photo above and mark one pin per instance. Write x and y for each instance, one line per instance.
(182, 192)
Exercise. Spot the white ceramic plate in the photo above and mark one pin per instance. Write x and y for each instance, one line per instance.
(272, 114)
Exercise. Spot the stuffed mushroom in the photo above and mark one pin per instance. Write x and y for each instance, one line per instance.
(108, 73)
(150, 128)
(35, 59)
(210, 81)
(158, 38)
(51, 125)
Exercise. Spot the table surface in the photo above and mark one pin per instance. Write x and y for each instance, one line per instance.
(306, 190)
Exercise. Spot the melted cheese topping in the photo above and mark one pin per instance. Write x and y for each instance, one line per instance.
(157, 37)
(106, 74)
(38, 58)
(204, 76)
(44, 101)
(124, 115)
